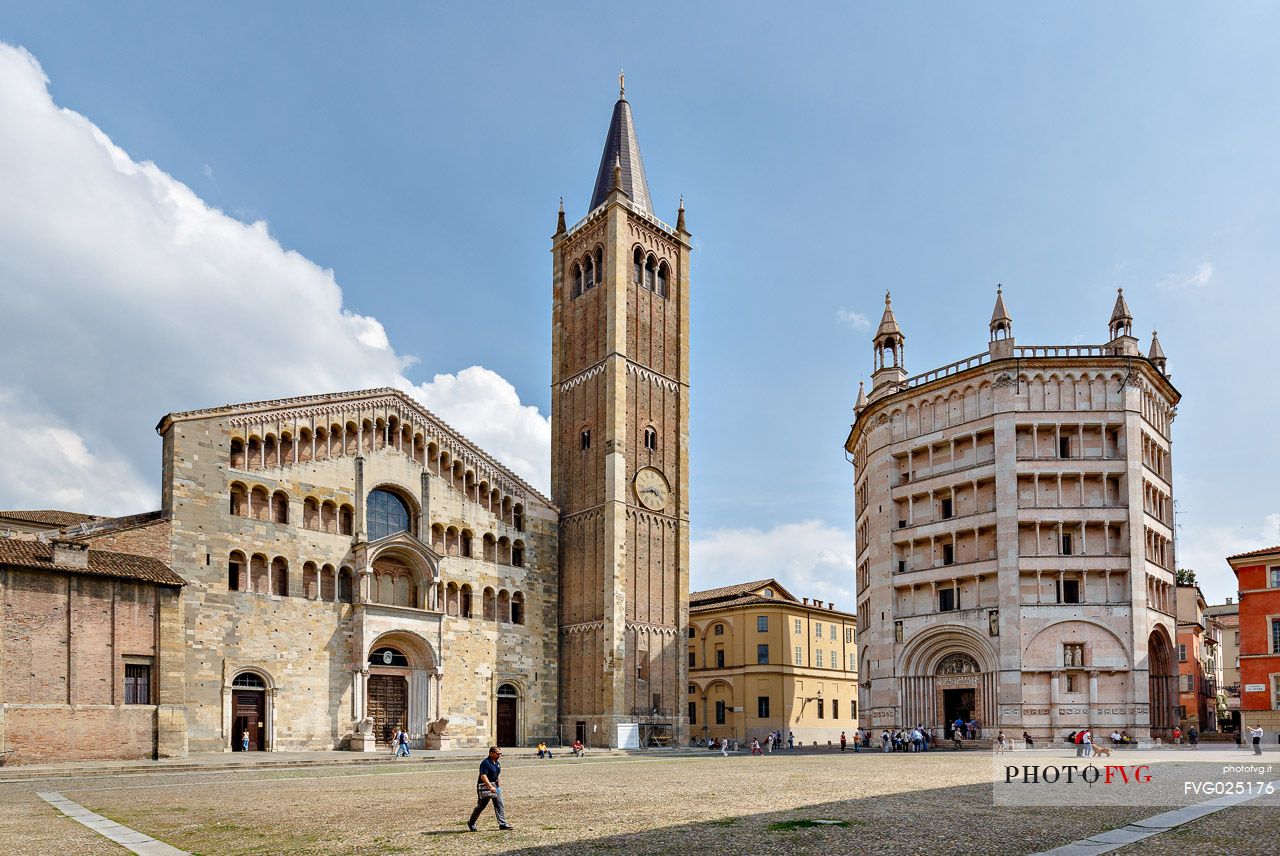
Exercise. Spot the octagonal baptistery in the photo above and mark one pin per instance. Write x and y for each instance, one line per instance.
(1014, 523)
(355, 566)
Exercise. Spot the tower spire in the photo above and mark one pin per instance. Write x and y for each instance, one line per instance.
(622, 148)
(1121, 317)
(560, 227)
(1001, 320)
(1156, 354)
(680, 216)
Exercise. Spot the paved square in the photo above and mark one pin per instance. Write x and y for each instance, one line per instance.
(897, 804)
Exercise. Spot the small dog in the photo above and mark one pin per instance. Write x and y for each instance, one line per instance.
(1102, 751)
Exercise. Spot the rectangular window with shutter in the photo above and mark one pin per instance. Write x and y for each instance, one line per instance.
(137, 683)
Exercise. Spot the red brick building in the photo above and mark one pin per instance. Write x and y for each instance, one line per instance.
(91, 648)
(1258, 576)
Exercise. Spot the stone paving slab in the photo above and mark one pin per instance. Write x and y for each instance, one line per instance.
(130, 839)
(1114, 839)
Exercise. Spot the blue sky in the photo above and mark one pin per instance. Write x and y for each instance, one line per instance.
(826, 153)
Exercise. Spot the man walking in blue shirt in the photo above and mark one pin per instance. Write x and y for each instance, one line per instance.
(489, 789)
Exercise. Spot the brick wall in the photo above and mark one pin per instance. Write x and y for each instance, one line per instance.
(151, 540)
(62, 643)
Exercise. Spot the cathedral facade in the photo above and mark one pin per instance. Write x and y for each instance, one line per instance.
(327, 569)
(1014, 524)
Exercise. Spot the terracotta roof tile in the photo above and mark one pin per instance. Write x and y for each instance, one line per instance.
(39, 556)
(50, 517)
(726, 591)
(1264, 551)
(758, 600)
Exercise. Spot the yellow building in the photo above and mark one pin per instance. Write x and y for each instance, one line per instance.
(761, 660)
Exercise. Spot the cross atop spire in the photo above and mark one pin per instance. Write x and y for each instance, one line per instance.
(622, 147)
(622, 84)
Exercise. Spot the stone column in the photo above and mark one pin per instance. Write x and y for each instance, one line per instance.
(1093, 696)
(1055, 700)
(359, 524)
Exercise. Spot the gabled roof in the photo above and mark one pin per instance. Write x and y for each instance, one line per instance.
(48, 517)
(38, 555)
(737, 590)
(621, 147)
(339, 398)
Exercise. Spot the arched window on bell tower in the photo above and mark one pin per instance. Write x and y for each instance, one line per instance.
(577, 280)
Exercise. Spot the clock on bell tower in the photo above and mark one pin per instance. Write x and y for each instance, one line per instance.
(619, 455)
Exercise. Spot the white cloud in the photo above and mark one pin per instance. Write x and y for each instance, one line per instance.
(1198, 278)
(125, 297)
(810, 558)
(856, 320)
(1205, 550)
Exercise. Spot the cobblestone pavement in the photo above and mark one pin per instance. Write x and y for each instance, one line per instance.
(890, 804)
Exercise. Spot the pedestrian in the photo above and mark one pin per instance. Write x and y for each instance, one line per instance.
(1177, 734)
(724, 747)
(843, 741)
(395, 742)
(404, 743)
(1193, 736)
(489, 790)
(768, 742)
(578, 749)
(884, 740)
(857, 740)
(244, 741)
(1087, 741)
(999, 746)
(956, 743)
(958, 726)
(791, 740)
(1031, 744)
(1255, 732)
(973, 729)
(1077, 737)
(755, 747)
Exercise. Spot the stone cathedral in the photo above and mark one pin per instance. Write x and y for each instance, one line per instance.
(327, 569)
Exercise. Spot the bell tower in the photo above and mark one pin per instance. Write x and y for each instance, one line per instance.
(619, 454)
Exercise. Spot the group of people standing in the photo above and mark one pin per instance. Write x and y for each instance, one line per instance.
(918, 739)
